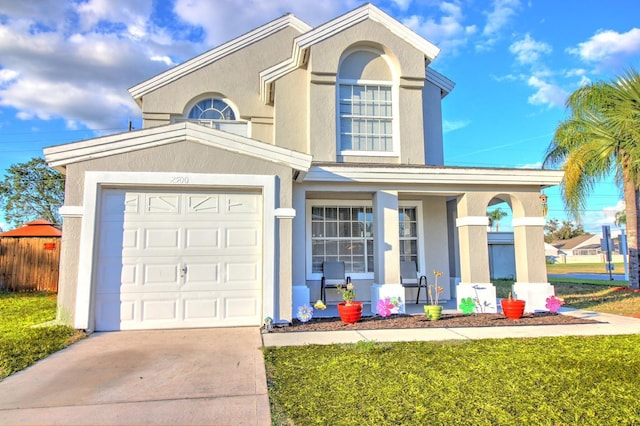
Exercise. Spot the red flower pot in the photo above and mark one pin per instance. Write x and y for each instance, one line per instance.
(350, 313)
(512, 308)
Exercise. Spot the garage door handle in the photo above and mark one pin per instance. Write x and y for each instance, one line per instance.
(183, 270)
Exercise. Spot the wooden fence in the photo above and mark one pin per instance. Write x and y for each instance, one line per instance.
(29, 263)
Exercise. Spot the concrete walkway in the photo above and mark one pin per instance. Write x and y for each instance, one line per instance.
(610, 325)
(196, 376)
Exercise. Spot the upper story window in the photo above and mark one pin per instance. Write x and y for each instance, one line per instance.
(366, 105)
(211, 109)
(218, 114)
(366, 118)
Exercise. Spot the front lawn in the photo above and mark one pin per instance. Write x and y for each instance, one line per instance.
(543, 381)
(583, 268)
(21, 344)
(593, 295)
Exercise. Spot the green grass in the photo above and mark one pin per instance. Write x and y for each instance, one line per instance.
(21, 344)
(593, 295)
(542, 381)
(584, 268)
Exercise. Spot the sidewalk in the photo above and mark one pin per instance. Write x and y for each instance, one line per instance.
(610, 325)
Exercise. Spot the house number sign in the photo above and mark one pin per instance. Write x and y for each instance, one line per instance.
(179, 179)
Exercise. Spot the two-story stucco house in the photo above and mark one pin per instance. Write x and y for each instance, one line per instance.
(265, 156)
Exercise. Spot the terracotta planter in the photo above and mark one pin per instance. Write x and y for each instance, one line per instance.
(350, 313)
(433, 312)
(512, 308)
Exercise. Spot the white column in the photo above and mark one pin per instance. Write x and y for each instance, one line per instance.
(386, 251)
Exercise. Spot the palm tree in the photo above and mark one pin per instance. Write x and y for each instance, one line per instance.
(601, 136)
(621, 218)
(495, 216)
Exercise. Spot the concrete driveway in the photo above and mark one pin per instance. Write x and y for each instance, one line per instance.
(195, 376)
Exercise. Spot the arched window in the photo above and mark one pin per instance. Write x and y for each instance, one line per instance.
(211, 109)
(366, 104)
(218, 114)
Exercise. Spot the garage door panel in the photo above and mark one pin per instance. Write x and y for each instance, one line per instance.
(202, 204)
(202, 238)
(170, 260)
(161, 238)
(162, 204)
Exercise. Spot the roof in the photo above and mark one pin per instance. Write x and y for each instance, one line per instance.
(61, 155)
(201, 61)
(572, 243)
(339, 24)
(37, 228)
(425, 174)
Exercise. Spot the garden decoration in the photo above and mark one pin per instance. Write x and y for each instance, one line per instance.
(320, 305)
(433, 310)
(467, 305)
(512, 308)
(385, 307)
(553, 304)
(350, 311)
(305, 313)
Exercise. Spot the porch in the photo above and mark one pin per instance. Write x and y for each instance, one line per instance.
(448, 307)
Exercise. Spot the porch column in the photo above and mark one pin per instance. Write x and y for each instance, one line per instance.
(531, 272)
(387, 238)
(386, 251)
(475, 282)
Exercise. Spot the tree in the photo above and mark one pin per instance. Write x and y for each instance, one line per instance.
(621, 218)
(600, 136)
(555, 230)
(32, 191)
(495, 216)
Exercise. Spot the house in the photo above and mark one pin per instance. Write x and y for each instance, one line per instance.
(582, 245)
(267, 155)
(30, 257)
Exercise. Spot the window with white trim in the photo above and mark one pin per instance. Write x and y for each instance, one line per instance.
(211, 109)
(342, 233)
(408, 221)
(366, 117)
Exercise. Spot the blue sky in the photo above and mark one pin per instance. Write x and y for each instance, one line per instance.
(65, 67)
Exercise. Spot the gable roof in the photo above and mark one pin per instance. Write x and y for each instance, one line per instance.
(329, 29)
(37, 228)
(200, 61)
(61, 155)
(573, 243)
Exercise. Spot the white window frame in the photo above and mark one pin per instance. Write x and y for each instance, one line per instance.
(310, 275)
(395, 151)
(308, 234)
(421, 263)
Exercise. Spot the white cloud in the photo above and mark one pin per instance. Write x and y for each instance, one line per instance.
(81, 74)
(502, 11)
(402, 4)
(537, 165)
(609, 47)
(546, 93)
(594, 220)
(448, 33)
(223, 20)
(450, 126)
(528, 51)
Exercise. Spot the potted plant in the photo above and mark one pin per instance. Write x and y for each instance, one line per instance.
(512, 308)
(350, 311)
(433, 310)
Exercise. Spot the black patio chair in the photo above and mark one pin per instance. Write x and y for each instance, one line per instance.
(409, 278)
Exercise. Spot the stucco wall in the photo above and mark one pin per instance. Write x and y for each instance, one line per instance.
(235, 77)
(186, 157)
(408, 69)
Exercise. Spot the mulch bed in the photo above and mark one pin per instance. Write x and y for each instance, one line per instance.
(420, 321)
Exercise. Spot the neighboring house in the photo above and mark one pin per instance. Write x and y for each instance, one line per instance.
(261, 158)
(582, 245)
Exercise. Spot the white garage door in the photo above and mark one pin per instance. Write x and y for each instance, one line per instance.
(178, 259)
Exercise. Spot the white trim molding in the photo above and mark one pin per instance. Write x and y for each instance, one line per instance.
(284, 213)
(94, 182)
(472, 221)
(71, 211)
(528, 221)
